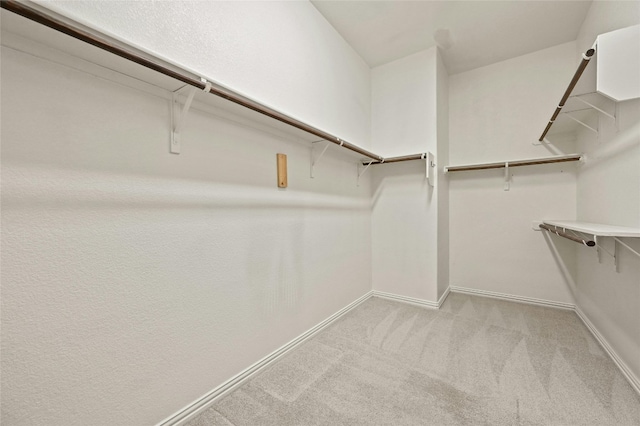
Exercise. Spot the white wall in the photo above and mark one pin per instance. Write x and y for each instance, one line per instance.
(495, 114)
(283, 54)
(135, 281)
(405, 209)
(609, 192)
(442, 111)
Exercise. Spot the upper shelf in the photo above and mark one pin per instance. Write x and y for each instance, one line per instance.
(616, 79)
(618, 65)
(596, 229)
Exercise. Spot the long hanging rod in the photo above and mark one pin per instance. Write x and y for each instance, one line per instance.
(75, 31)
(411, 157)
(517, 163)
(563, 234)
(583, 64)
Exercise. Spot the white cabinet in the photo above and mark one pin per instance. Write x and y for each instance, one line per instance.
(618, 67)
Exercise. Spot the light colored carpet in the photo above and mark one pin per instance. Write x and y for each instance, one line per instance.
(475, 361)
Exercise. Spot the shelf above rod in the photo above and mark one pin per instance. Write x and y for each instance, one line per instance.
(595, 229)
(588, 243)
(586, 57)
(516, 163)
(75, 30)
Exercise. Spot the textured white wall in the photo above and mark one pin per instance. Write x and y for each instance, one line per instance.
(281, 53)
(403, 105)
(609, 192)
(135, 281)
(495, 114)
(442, 112)
(404, 212)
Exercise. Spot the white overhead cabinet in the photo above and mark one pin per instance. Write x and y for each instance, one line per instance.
(618, 69)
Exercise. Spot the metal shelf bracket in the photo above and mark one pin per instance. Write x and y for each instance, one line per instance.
(614, 255)
(568, 114)
(598, 249)
(314, 160)
(507, 177)
(178, 119)
(359, 166)
(616, 242)
(600, 110)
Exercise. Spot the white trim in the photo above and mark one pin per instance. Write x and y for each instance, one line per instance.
(412, 300)
(201, 404)
(513, 298)
(626, 371)
(444, 296)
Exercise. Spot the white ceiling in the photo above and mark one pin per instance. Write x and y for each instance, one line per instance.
(480, 32)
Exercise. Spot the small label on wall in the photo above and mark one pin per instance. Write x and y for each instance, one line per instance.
(282, 170)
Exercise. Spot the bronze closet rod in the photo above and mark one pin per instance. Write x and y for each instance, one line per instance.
(563, 234)
(586, 57)
(75, 31)
(397, 159)
(516, 163)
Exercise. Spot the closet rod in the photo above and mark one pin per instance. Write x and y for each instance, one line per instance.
(75, 31)
(398, 159)
(583, 64)
(563, 234)
(516, 163)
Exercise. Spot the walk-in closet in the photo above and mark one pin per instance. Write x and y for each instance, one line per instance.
(228, 213)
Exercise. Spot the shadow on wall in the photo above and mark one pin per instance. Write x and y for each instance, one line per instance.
(91, 132)
(274, 265)
(623, 142)
(400, 180)
(565, 257)
(63, 189)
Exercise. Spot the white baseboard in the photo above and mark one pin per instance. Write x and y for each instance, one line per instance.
(207, 400)
(412, 300)
(626, 371)
(200, 405)
(513, 298)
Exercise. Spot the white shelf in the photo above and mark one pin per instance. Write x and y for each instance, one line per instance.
(618, 66)
(596, 229)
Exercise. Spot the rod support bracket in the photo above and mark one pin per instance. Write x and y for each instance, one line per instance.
(314, 160)
(360, 165)
(506, 176)
(430, 164)
(178, 118)
(582, 123)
